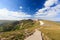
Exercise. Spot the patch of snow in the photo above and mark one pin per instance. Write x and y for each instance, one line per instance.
(41, 22)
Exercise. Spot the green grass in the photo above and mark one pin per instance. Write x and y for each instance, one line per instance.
(18, 31)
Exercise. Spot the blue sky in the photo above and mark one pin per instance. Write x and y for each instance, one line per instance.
(28, 6)
(27, 9)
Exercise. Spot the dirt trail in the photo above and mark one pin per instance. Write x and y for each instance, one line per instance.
(36, 36)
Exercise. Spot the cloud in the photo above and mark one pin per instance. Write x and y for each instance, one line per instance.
(52, 19)
(49, 3)
(49, 12)
(5, 14)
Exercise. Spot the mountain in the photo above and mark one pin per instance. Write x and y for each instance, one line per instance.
(6, 21)
(19, 30)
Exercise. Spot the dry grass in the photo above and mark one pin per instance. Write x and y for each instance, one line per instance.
(52, 31)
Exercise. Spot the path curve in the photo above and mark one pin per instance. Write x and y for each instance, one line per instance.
(36, 36)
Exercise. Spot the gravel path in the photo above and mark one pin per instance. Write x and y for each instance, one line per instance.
(36, 36)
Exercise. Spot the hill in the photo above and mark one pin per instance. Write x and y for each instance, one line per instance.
(19, 30)
(50, 30)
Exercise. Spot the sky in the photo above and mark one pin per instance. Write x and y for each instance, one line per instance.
(30, 9)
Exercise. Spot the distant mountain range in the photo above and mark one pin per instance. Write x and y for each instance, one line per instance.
(6, 21)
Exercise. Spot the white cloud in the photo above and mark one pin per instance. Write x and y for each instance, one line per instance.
(5, 14)
(49, 3)
(52, 19)
(49, 12)
(41, 11)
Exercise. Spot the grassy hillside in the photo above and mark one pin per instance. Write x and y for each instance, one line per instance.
(51, 30)
(19, 30)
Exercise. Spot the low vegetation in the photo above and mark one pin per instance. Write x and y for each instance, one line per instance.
(19, 30)
(52, 31)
